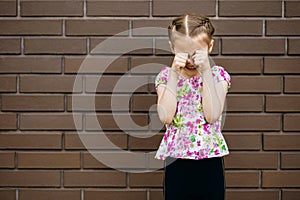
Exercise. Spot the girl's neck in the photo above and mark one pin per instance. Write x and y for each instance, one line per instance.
(190, 73)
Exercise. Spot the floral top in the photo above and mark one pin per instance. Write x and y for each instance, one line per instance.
(190, 135)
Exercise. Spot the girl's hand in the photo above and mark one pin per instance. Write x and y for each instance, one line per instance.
(179, 62)
(201, 60)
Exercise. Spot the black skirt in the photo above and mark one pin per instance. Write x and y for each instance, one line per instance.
(189, 179)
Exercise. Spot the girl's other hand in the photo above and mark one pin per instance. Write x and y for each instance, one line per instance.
(201, 60)
(179, 62)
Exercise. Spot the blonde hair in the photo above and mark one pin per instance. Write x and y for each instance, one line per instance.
(192, 25)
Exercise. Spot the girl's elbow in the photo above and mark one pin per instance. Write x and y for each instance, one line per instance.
(211, 119)
(166, 120)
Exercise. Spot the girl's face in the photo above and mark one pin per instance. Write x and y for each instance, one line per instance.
(182, 43)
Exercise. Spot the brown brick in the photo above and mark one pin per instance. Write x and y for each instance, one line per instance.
(118, 8)
(10, 45)
(48, 160)
(30, 140)
(257, 84)
(149, 179)
(290, 194)
(291, 122)
(8, 194)
(8, 83)
(50, 83)
(116, 160)
(250, 8)
(158, 27)
(31, 64)
(90, 161)
(74, 140)
(162, 46)
(32, 102)
(291, 84)
(251, 65)
(52, 8)
(293, 46)
(96, 27)
(282, 103)
(229, 27)
(243, 141)
(249, 160)
(31, 26)
(8, 8)
(286, 65)
(58, 194)
(273, 141)
(245, 179)
(115, 194)
(55, 121)
(101, 102)
(141, 102)
(99, 178)
(286, 178)
(145, 140)
(149, 64)
(253, 46)
(7, 159)
(282, 27)
(90, 64)
(55, 45)
(37, 178)
(291, 9)
(290, 160)
(155, 123)
(252, 122)
(244, 103)
(117, 45)
(113, 121)
(8, 121)
(178, 7)
(247, 194)
(113, 84)
(156, 194)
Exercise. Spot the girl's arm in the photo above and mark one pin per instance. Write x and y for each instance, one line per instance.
(213, 96)
(167, 93)
(167, 100)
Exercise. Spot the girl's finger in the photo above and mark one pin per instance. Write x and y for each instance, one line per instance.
(180, 59)
(183, 55)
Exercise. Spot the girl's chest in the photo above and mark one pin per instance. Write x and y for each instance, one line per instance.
(189, 89)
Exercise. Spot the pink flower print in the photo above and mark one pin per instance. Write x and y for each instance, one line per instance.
(198, 143)
(217, 152)
(222, 73)
(194, 83)
(217, 126)
(180, 83)
(167, 135)
(189, 153)
(205, 128)
(198, 121)
(190, 124)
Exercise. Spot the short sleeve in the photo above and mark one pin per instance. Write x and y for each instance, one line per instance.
(221, 74)
(162, 77)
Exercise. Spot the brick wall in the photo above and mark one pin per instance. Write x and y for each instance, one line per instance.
(44, 43)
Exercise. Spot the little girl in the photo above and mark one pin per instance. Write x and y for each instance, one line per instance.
(191, 97)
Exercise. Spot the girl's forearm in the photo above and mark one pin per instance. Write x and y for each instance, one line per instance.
(167, 103)
(210, 99)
